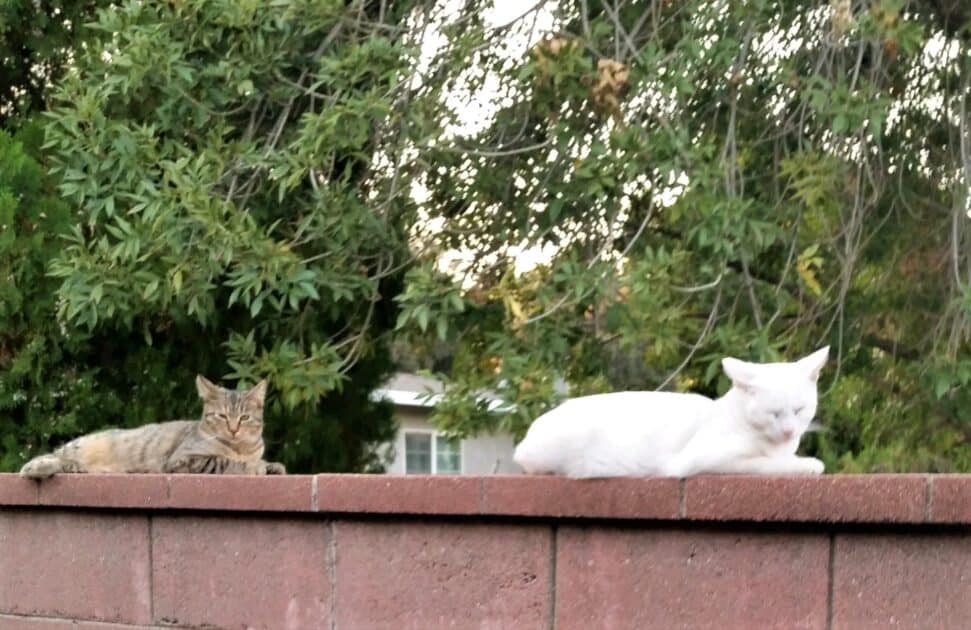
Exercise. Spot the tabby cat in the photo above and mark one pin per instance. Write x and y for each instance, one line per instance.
(228, 440)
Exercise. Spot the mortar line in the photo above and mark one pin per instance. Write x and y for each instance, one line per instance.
(830, 581)
(151, 568)
(928, 499)
(554, 534)
(482, 495)
(681, 498)
(332, 573)
(94, 623)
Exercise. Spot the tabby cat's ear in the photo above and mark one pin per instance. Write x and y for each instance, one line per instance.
(741, 373)
(205, 388)
(257, 393)
(813, 364)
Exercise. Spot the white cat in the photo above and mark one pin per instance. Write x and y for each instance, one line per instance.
(754, 428)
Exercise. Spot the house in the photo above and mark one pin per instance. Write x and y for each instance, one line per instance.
(420, 449)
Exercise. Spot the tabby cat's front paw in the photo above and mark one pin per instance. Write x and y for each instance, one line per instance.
(275, 468)
(42, 467)
(180, 465)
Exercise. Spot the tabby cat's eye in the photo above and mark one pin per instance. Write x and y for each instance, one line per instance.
(244, 418)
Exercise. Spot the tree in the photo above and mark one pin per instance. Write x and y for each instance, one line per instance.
(704, 179)
(37, 41)
(216, 155)
(43, 391)
(273, 186)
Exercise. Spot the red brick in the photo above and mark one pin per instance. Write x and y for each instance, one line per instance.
(398, 494)
(253, 574)
(650, 498)
(115, 491)
(424, 576)
(279, 493)
(827, 499)
(83, 566)
(668, 579)
(950, 500)
(882, 581)
(15, 490)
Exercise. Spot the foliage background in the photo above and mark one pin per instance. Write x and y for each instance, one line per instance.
(614, 194)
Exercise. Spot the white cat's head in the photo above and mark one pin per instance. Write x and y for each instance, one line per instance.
(778, 399)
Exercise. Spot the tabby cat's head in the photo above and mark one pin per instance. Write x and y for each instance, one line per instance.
(236, 416)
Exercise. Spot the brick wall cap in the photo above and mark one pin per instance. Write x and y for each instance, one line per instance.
(913, 498)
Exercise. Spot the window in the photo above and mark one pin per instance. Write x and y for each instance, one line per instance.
(418, 453)
(427, 453)
(448, 456)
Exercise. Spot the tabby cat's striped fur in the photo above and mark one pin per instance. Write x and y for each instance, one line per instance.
(228, 440)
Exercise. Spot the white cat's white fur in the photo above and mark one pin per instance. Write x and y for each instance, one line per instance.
(754, 428)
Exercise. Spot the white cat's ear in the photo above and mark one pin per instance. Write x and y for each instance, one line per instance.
(741, 373)
(205, 388)
(813, 364)
(257, 393)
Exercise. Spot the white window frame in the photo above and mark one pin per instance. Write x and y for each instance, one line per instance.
(434, 435)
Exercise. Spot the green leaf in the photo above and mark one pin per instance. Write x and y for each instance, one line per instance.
(177, 281)
(422, 314)
(840, 123)
(150, 289)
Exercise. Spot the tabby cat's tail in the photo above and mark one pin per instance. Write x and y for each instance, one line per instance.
(42, 467)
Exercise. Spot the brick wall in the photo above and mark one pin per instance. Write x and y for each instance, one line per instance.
(111, 552)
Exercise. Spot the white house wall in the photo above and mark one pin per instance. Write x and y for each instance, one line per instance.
(481, 455)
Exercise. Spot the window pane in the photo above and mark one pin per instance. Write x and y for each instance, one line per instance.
(448, 457)
(418, 453)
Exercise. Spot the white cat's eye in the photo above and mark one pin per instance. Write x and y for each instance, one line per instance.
(776, 414)
(798, 411)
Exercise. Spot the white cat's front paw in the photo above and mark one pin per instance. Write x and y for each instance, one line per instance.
(813, 466)
(673, 469)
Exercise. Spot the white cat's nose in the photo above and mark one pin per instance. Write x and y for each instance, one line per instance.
(787, 434)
